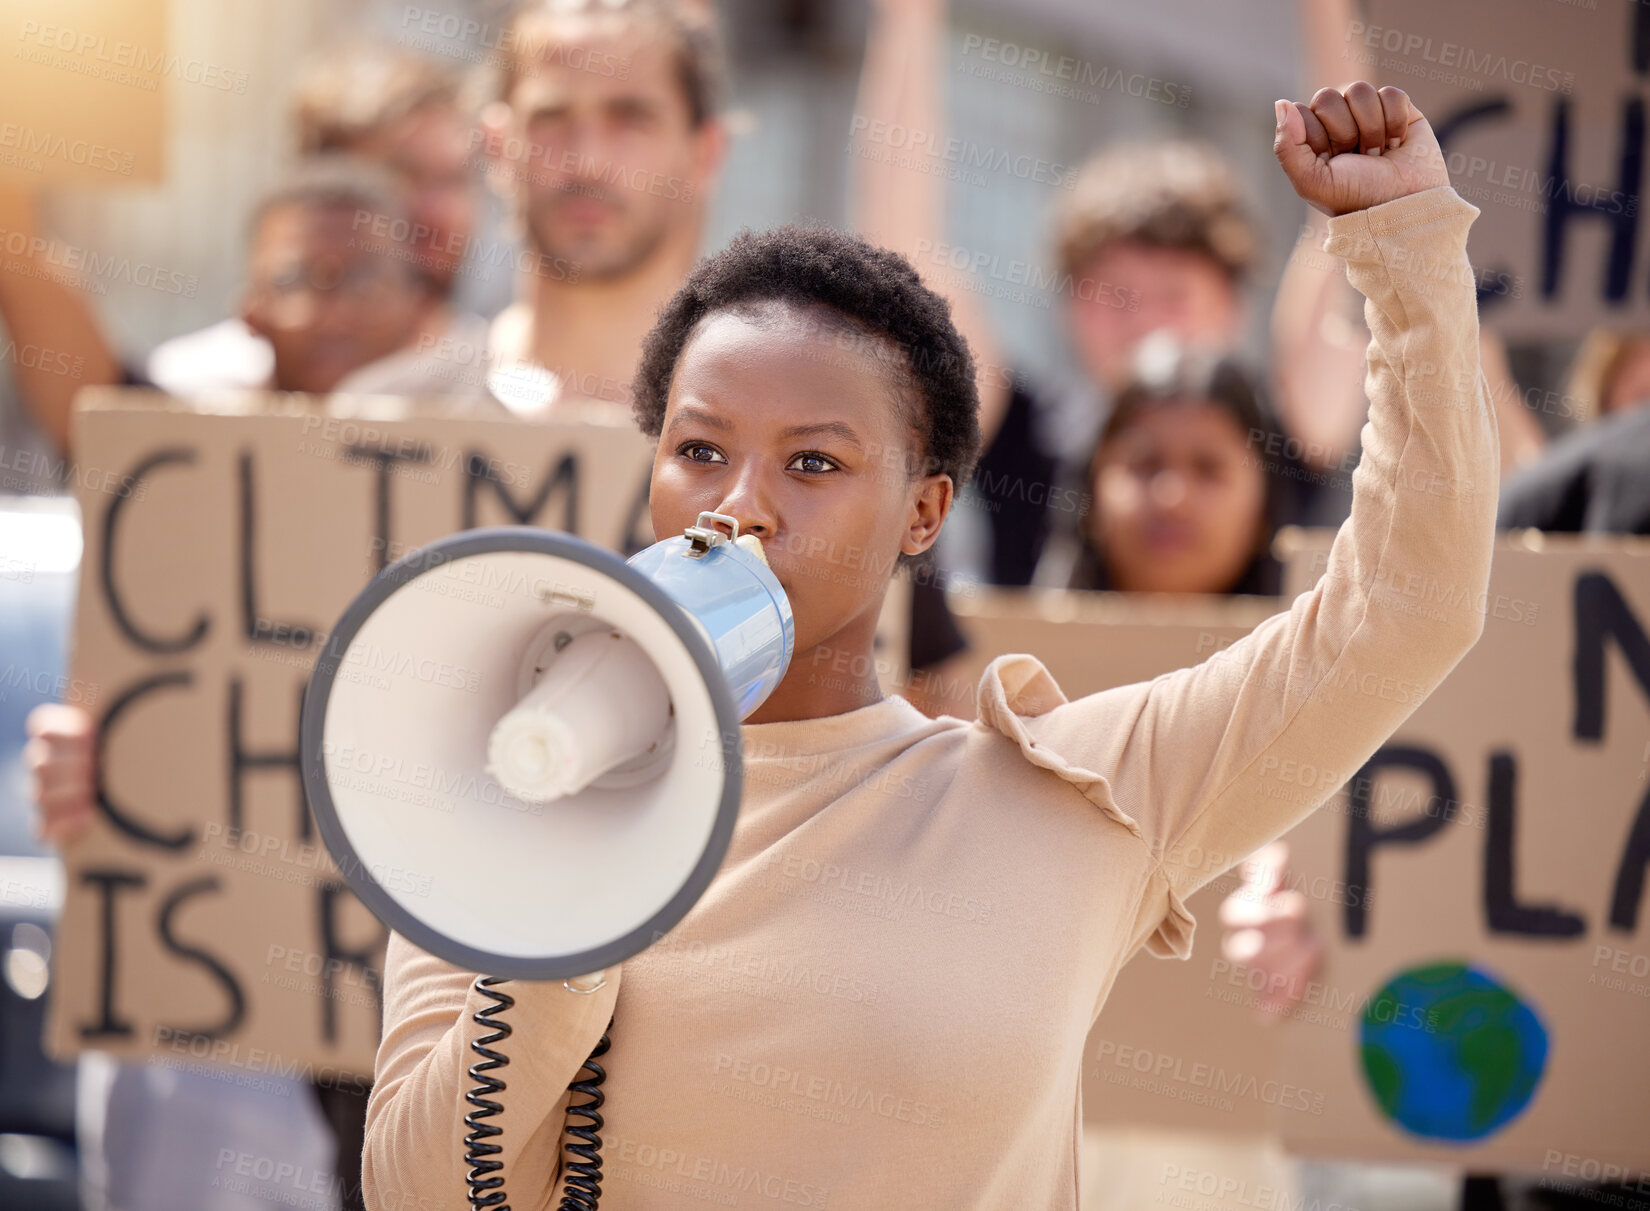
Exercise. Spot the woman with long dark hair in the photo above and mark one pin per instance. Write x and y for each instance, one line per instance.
(1188, 483)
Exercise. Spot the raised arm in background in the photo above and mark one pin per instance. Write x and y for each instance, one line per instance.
(900, 207)
(58, 343)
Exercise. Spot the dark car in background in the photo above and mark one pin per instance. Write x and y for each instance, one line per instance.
(39, 565)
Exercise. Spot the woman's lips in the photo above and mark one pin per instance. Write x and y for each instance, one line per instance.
(1170, 537)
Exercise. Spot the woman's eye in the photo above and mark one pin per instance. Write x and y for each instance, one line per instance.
(812, 463)
(700, 452)
(1210, 470)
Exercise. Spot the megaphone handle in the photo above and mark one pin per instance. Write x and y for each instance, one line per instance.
(584, 1183)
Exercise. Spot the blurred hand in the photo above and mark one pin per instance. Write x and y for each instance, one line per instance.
(1356, 148)
(59, 760)
(1266, 929)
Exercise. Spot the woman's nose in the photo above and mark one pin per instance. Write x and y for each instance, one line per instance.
(748, 504)
(1168, 489)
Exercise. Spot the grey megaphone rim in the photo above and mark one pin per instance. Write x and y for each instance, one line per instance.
(384, 906)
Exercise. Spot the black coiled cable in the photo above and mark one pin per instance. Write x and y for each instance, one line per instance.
(584, 1181)
(486, 1189)
(583, 1188)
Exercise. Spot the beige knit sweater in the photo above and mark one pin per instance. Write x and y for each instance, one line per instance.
(882, 999)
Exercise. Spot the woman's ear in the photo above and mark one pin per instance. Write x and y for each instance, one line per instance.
(929, 507)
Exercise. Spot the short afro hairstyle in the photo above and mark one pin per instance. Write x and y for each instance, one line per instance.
(872, 293)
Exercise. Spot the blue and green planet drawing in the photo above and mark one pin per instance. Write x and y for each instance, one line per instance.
(1450, 1053)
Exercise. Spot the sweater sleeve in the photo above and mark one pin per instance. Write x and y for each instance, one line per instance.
(1206, 764)
(414, 1150)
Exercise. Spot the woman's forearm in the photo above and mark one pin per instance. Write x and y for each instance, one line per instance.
(415, 1119)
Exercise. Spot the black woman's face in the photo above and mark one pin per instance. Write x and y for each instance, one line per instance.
(792, 425)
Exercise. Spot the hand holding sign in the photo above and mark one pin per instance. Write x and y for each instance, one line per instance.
(1353, 149)
(1267, 930)
(60, 763)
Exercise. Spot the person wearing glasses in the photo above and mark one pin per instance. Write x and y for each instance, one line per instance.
(337, 314)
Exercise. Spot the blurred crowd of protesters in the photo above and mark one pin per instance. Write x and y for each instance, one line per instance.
(1167, 469)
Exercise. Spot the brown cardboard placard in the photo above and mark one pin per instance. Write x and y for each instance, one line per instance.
(1540, 112)
(204, 920)
(1533, 819)
(1506, 825)
(84, 93)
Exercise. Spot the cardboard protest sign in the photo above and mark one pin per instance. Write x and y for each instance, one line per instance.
(1092, 642)
(1490, 860)
(1495, 979)
(204, 920)
(1095, 641)
(1541, 115)
(84, 93)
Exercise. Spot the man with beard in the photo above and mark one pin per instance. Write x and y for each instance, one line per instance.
(606, 133)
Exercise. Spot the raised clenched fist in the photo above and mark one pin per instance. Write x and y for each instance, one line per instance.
(1357, 147)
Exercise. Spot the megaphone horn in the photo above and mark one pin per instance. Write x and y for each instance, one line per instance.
(522, 751)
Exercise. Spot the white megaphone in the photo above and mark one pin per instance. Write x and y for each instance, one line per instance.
(522, 751)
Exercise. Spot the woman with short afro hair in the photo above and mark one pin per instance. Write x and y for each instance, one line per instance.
(882, 999)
